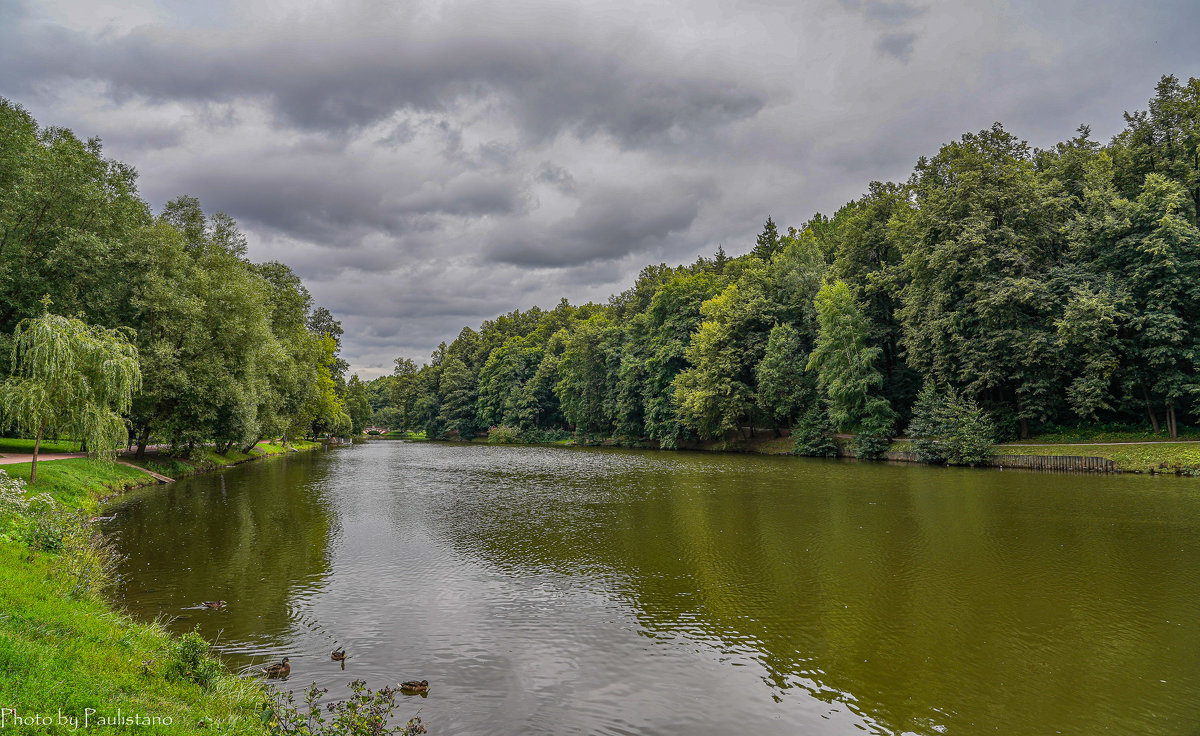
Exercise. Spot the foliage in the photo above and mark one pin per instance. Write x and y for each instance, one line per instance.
(1042, 287)
(874, 436)
(946, 428)
(844, 361)
(364, 713)
(503, 436)
(187, 659)
(813, 434)
(71, 377)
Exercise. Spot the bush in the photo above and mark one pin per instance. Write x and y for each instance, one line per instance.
(188, 660)
(544, 436)
(503, 435)
(946, 428)
(364, 713)
(813, 434)
(875, 435)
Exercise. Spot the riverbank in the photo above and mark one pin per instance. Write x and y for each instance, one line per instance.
(65, 652)
(1122, 452)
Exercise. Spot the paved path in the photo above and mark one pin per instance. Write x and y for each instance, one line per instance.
(26, 457)
(44, 457)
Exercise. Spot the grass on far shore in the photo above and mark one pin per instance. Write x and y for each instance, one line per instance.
(1154, 457)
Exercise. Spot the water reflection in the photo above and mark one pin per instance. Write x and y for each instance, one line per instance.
(552, 591)
(222, 537)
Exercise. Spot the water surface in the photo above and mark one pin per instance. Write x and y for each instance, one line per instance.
(548, 591)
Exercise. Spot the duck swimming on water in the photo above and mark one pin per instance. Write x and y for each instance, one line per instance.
(338, 655)
(282, 669)
(415, 686)
(214, 604)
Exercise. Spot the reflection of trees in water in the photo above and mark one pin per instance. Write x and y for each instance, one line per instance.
(913, 596)
(254, 536)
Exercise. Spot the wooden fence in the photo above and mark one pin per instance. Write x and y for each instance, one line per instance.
(1063, 463)
(1072, 463)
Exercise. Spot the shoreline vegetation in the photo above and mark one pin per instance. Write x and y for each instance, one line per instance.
(66, 649)
(1129, 451)
(1000, 292)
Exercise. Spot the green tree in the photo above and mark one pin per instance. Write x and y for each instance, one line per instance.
(71, 377)
(768, 243)
(947, 428)
(358, 405)
(785, 389)
(842, 358)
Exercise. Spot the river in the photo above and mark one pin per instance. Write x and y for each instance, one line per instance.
(599, 591)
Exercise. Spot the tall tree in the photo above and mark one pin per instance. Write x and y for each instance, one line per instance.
(71, 377)
(768, 243)
(843, 359)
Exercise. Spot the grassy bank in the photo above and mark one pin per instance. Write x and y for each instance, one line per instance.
(1146, 452)
(1152, 457)
(63, 647)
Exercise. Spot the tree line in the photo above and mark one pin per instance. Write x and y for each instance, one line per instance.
(1001, 286)
(227, 351)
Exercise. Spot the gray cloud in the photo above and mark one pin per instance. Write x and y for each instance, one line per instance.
(429, 165)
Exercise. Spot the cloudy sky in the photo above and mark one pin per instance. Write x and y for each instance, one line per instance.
(426, 165)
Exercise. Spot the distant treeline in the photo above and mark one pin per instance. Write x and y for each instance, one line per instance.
(230, 351)
(1034, 287)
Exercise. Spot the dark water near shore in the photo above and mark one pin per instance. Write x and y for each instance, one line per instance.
(548, 591)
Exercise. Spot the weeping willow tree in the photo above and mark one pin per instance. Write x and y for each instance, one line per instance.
(73, 378)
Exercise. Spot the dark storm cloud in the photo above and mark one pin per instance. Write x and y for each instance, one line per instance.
(428, 165)
(608, 225)
(898, 45)
(317, 78)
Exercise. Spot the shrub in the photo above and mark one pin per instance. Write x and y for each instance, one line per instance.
(946, 428)
(364, 713)
(813, 434)
(544, 436)
(875, 435)
(188, 660)
(503, 435)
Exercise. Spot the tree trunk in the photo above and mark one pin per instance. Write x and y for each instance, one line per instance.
(1150, 410)
(1024, 428)
(1171, 425)
(37, 445)
(252, 445)
(141, 443)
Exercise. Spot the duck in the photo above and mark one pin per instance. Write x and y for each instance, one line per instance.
(214, 604)
(415, 686)
(338, 655)
(281, 669)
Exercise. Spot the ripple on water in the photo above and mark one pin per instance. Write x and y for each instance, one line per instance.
(543, 590)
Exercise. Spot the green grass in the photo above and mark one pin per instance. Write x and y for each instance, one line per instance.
(17, 446)
(74, 653)
(1108, 433)
(406, 435)
(57, 652)
(79, 482)
(1158, 457)
(207, 459)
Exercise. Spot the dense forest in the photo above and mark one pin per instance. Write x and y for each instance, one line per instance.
(229, 351)
(1001, 285)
